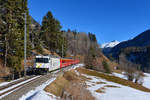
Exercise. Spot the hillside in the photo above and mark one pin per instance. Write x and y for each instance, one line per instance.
(136, 50)
(141, 40)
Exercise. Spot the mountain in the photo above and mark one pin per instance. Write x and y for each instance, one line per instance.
(136, 50)
(141, 40)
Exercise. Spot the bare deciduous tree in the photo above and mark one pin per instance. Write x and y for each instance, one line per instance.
(131, 70)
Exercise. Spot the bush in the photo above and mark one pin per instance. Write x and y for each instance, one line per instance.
(139, 77)
(14, 62)
(88, 61)
(39, 49)
(76, 91)
(131, 70)
(106, 67)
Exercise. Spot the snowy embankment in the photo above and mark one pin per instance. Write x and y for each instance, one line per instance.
(146, 79)
(40, 94)
(114, 91)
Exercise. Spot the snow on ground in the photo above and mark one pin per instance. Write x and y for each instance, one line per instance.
(120, 75)
(39, 93)
(146, 79)
(114, 93)
(76, 66)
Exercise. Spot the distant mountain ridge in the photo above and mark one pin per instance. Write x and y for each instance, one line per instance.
(136, 50)
(141, 40)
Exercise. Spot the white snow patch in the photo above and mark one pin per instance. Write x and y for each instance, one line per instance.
(39, 93)
(120, 93)
(77, 72)
(120, 75)
(77, 65)
(147, 80)
(42, 95)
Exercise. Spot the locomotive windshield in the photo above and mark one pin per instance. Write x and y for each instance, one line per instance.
(41, 60)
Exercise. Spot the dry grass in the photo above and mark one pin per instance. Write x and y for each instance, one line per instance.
(70, 75)
(70, 86)
(113, 79)
(4, 71)
(111, 86)
(56, 87)
(117, 71)
(45, 51)
(101, 83)
(76, 91)
(101, 90)
(1, 80)
(87, 86)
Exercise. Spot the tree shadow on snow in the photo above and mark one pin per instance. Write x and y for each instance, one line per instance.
(30, 98)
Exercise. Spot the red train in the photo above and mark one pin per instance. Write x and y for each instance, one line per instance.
(67, 62)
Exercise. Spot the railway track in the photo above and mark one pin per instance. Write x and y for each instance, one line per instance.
(15, 82)
(6, 89)
(20, 84)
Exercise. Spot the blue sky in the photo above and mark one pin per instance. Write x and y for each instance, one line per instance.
(108, 19)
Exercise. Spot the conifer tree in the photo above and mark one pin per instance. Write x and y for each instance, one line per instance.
(51, 33)
(13, 34)
(8, 19)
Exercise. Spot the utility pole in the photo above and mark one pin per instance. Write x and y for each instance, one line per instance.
(25, 43)
(62, 48)
(62, 51)
(74, 45)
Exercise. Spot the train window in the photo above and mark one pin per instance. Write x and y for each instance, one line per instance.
(41, 60)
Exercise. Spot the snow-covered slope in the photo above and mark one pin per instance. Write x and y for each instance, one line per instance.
(110, 44)
(146, 81)
(113, 91)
